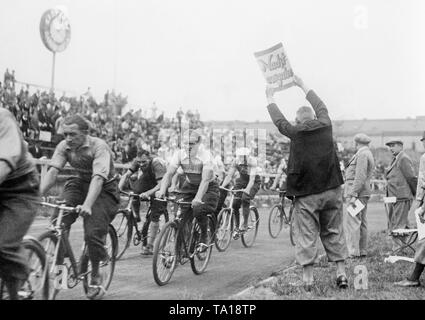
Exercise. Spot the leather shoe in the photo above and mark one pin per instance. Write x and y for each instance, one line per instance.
(407, 283)
(342, 282)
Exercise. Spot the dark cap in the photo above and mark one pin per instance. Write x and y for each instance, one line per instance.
(423, 136)
(394, 142)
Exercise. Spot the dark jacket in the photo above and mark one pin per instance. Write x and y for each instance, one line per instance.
(313, 165)
(401, 178)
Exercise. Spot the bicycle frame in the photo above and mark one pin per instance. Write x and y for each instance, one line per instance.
(63, 239)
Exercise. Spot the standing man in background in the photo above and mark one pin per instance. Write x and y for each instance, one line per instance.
(401, 185)
(357, 186)
(314, 179)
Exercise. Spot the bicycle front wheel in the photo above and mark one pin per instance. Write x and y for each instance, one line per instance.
(200, 256)
(123, 225)
(275, 220)
(106, 266)
(249, 236)
(165, 254)
(224, 228)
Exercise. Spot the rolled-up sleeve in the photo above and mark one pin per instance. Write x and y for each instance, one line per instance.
(159, 168)
(101, 161)
(10, 142)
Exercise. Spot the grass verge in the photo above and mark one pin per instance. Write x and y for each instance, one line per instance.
(287, 285)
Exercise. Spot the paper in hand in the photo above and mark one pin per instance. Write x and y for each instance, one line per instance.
(355, 208)
(275, 66)
(420, 225)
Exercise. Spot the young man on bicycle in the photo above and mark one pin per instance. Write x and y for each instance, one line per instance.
(93, 191)
(280, 180)
(19, 184)
(146, 184)
(248, 180)
(200, 185)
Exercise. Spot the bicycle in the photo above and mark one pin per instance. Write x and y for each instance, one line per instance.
(278, 217)
(36, 286)
(178, 242)
(65, 272)
(126, 220)
(225, 225)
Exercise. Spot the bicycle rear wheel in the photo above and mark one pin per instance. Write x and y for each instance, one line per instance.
(249, 236)
(275, 220)
(123, 225)
(106, 267)
(165, 254)
(49, 241)
(224, 229)
(201, 256)
(36, 287)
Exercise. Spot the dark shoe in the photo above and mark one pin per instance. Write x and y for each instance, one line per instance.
(308, 287)
(147, 251)
(342, 282)
(96, 289)
(236, 234)
(407, 283)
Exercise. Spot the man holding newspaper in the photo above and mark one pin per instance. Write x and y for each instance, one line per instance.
(357, 192)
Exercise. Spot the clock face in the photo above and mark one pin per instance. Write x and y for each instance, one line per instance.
(55, 30)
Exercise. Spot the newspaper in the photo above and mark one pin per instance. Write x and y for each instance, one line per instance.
(275, 66)
(355, 208)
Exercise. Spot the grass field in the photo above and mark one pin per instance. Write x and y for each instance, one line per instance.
(287, 285)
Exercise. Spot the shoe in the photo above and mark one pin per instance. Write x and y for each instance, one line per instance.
(147, 251)
(407, 283)
(342, 282)
(236, 234)
(308, 287)
(96, 289)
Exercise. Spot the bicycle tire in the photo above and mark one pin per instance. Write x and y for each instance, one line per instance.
(204, 256)
(248, 237)
(48, 241)
(123, 225)
(111, 247)
(164, 262)
(275, 220)
(37, 271)
(224, 228)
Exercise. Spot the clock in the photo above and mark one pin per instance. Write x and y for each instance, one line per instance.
(55, 30)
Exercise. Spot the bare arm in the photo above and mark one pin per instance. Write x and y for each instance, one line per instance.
(48, 180)
(229, 177)
(207, 177)
(95, 189)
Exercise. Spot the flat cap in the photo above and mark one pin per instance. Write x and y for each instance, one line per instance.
(394, 142)
(362, 138)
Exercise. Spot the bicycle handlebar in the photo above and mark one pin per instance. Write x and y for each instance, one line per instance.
(59, 206)
(174, 200)
(132, 194)
(232, 190)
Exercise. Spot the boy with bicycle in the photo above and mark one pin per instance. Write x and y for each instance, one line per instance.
(93, 191)
(200, 185)
(146, 184)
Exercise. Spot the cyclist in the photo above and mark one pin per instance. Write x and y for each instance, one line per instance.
(93, 191)
(280, 179)
(19, 185)
(249, 180)
(146, 184)
(200, 185)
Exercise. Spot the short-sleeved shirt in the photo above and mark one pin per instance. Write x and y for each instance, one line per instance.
(148, 180)
(93, 158)
(193, 167)
(13, 148)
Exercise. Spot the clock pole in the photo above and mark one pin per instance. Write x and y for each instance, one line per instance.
(52, 86)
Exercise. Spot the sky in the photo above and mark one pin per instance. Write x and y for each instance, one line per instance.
(365, 59)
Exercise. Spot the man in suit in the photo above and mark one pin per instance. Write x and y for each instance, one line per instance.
(413, 279)
(401, 185)
(357, 186)
(314, 178)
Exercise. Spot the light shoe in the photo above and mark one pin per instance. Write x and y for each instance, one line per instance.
(407, 283)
